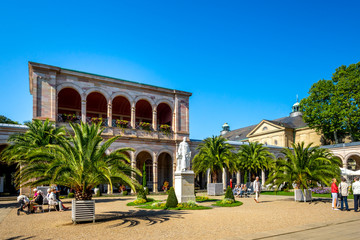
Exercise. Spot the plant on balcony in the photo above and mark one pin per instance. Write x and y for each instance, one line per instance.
(97, 120)
(122, 123)
(145, 126)
(69, 117)
(165, 129)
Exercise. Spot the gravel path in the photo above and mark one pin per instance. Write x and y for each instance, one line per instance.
(115, 220)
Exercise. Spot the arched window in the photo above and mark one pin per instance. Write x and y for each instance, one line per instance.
(96, 108)
(69, 105)
(265, 128)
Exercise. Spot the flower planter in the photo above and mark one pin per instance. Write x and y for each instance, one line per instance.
(215, 189)
(83, 211)
(299, 195)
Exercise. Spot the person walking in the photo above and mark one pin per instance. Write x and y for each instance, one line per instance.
(257, 189)
(334, 194)
(356, 192)
(344, 193)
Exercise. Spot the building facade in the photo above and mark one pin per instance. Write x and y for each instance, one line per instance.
(282, 132)
(152, 120)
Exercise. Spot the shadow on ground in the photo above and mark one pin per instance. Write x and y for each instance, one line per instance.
(7, 204)
(133, 218)
(106, 200)
(19, 238)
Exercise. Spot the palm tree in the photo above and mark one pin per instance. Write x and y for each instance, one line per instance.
(253, 157)
(39, 134)
(214, 154)
(80, 163)
(305, 167)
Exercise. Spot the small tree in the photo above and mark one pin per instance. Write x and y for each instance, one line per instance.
(144, 176)
(171, 201)
(141, 194)
(229, 193)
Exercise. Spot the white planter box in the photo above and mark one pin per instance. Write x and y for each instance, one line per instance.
(83, 211)
(299, 195)
(215, 189)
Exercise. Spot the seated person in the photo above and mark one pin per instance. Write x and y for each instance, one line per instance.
(243, 189)
(24, 202)
(53, 199)
(236, 190)
(39, 199)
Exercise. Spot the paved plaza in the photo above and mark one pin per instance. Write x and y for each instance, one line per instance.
(276, 217)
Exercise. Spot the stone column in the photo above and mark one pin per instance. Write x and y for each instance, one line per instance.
(154, 120)
(263, 178)
(175, 117)
(224, 178)
(155, 173)
(83, 110)
(208, 175)
(133, 116)
(187, 119)
(238, 178)
(133, 164)
(109, 113)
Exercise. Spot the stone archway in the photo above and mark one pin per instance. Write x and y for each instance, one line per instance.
(69, 105)
(353, 162)
(165, 170)
(7, 176)
(142, 158)
(121, 110)
(143, 112)
(96, 107)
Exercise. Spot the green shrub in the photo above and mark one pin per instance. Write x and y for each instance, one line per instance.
(227, 201)
(202, 198)
(98, 194)
(147, 192)
(71, 195)
(124, 193)
(139, 201)
(171, 201)
(189, 204)
(158, 205)
(141, 194)
(229, 194)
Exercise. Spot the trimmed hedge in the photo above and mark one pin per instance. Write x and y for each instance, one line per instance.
(229, 193)
(171, 201)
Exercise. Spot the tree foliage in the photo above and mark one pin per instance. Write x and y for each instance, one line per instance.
(39, 135)
(79, 162)
(332, 107)
(4, 119)
(214, 154)
(253, 157)
(305, 167)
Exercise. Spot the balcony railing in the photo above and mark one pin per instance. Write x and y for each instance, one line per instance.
(91, 120)
(124, 124)
(123, 128)
(62, 117)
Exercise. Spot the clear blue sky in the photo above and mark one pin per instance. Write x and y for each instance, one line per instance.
(244, 61)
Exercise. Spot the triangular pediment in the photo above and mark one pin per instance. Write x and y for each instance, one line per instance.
(265, 127)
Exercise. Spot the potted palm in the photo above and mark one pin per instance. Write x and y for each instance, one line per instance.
(214, 155)
(80, 162)
(302, 168)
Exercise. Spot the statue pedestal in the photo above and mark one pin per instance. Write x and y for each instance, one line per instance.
(184, 186)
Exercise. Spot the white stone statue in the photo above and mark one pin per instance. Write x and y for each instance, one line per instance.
(183, 156)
